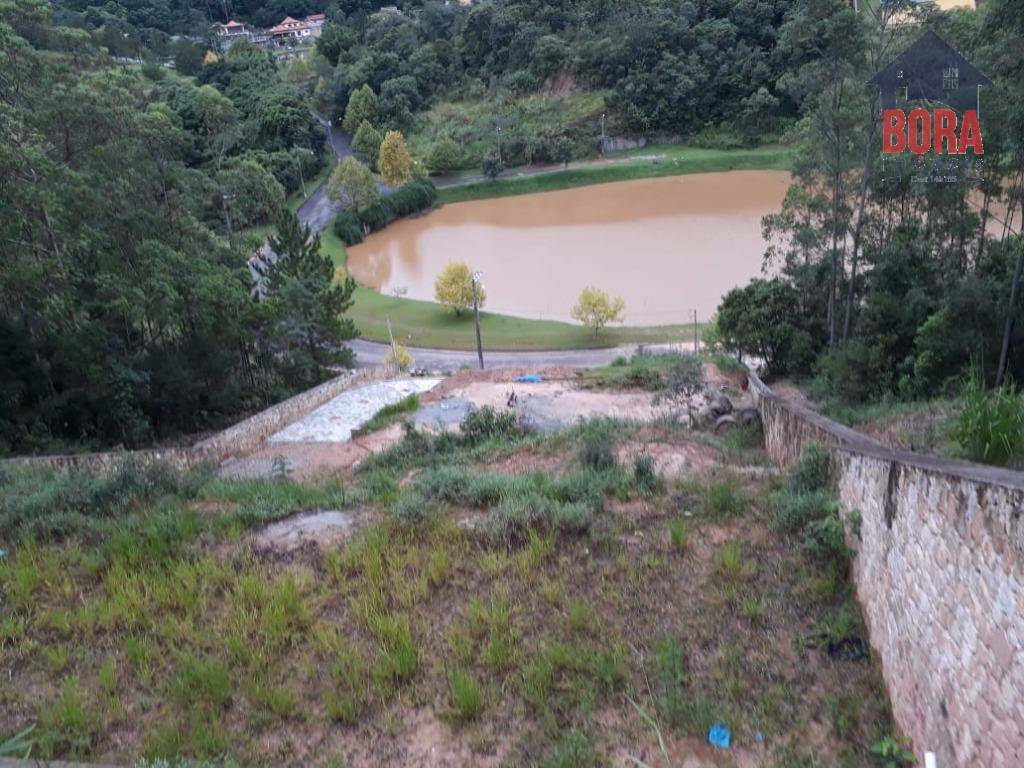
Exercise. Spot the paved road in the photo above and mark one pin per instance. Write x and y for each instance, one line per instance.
(319, 209)
(370, 353)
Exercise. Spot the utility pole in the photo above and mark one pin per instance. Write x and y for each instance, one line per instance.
(394, 347)
(602, 133)
(499, 151)
(695, 331)
(476, 312)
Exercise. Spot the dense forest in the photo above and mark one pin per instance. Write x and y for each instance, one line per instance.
(674, 67)
(677, 68)
(126, 313)
(890, 287)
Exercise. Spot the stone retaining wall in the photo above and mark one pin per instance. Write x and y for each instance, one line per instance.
(939, 573)
(242, 437)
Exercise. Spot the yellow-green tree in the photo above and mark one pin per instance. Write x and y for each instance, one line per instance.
(394, 161)
(595, 309)
(454, 288)
(352, 184)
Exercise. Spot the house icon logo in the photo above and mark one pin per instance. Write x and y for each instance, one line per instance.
(941, 89)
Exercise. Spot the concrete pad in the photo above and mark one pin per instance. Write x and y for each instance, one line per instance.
(334, 421)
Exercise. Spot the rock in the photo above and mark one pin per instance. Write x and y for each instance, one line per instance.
(725, 424)
(720, 404)
(747, 416)
(703, 417)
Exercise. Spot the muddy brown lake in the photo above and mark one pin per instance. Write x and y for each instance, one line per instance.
(668, 245)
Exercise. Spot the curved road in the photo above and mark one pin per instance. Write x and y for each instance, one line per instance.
(318, 210)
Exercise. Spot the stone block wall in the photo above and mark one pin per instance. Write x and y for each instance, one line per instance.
(939, 574)
(239, 438)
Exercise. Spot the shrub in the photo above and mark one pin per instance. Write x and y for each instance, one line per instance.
(399, 658)
(445, 155)
(678, 534)
(487, 423)
(811, 472)
(597, 448)
(347, 228)
(645, 474)
(408, 199)
(466, 697)
(990, 425)
(792, 511)
(679, 708)
(723, 499)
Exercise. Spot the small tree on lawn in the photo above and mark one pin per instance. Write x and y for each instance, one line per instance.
(366, 144)
(595, 309)
(394, 160)
(454, 288)
(353, 185)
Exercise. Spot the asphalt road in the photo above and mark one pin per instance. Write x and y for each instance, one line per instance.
(371, 353)
(318, 210)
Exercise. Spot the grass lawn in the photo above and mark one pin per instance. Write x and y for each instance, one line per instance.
(676, 160)
(426, 324)
(503, 598)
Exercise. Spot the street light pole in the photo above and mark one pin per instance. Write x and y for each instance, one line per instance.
(602, 133)
(476, 312)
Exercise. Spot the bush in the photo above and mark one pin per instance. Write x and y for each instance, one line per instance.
(347, 228)
(990, 425)
(408, 199)
(811, 472)
(645, 474)
(467, 700)
(792, 511)
(486, 423)
(597, 449)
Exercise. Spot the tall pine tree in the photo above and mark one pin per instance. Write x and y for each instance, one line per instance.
(304, 306)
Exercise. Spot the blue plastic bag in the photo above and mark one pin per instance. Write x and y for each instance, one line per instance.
(530, 378)
(719, 736)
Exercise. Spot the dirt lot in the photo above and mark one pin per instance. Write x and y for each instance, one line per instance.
(589, 591)
(559, 400)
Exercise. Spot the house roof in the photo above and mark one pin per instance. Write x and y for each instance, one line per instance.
(923, 68)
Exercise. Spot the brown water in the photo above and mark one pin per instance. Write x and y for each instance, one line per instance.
(668, 246)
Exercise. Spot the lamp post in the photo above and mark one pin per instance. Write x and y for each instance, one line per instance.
(475, 280)
(602, 132)
(499, 144)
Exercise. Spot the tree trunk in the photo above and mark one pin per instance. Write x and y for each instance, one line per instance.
(1004, 352)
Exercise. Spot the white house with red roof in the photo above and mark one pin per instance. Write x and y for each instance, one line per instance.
(233, 29)
(291, 30)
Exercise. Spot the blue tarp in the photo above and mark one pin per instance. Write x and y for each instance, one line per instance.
(530, 378)
(719, 735)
